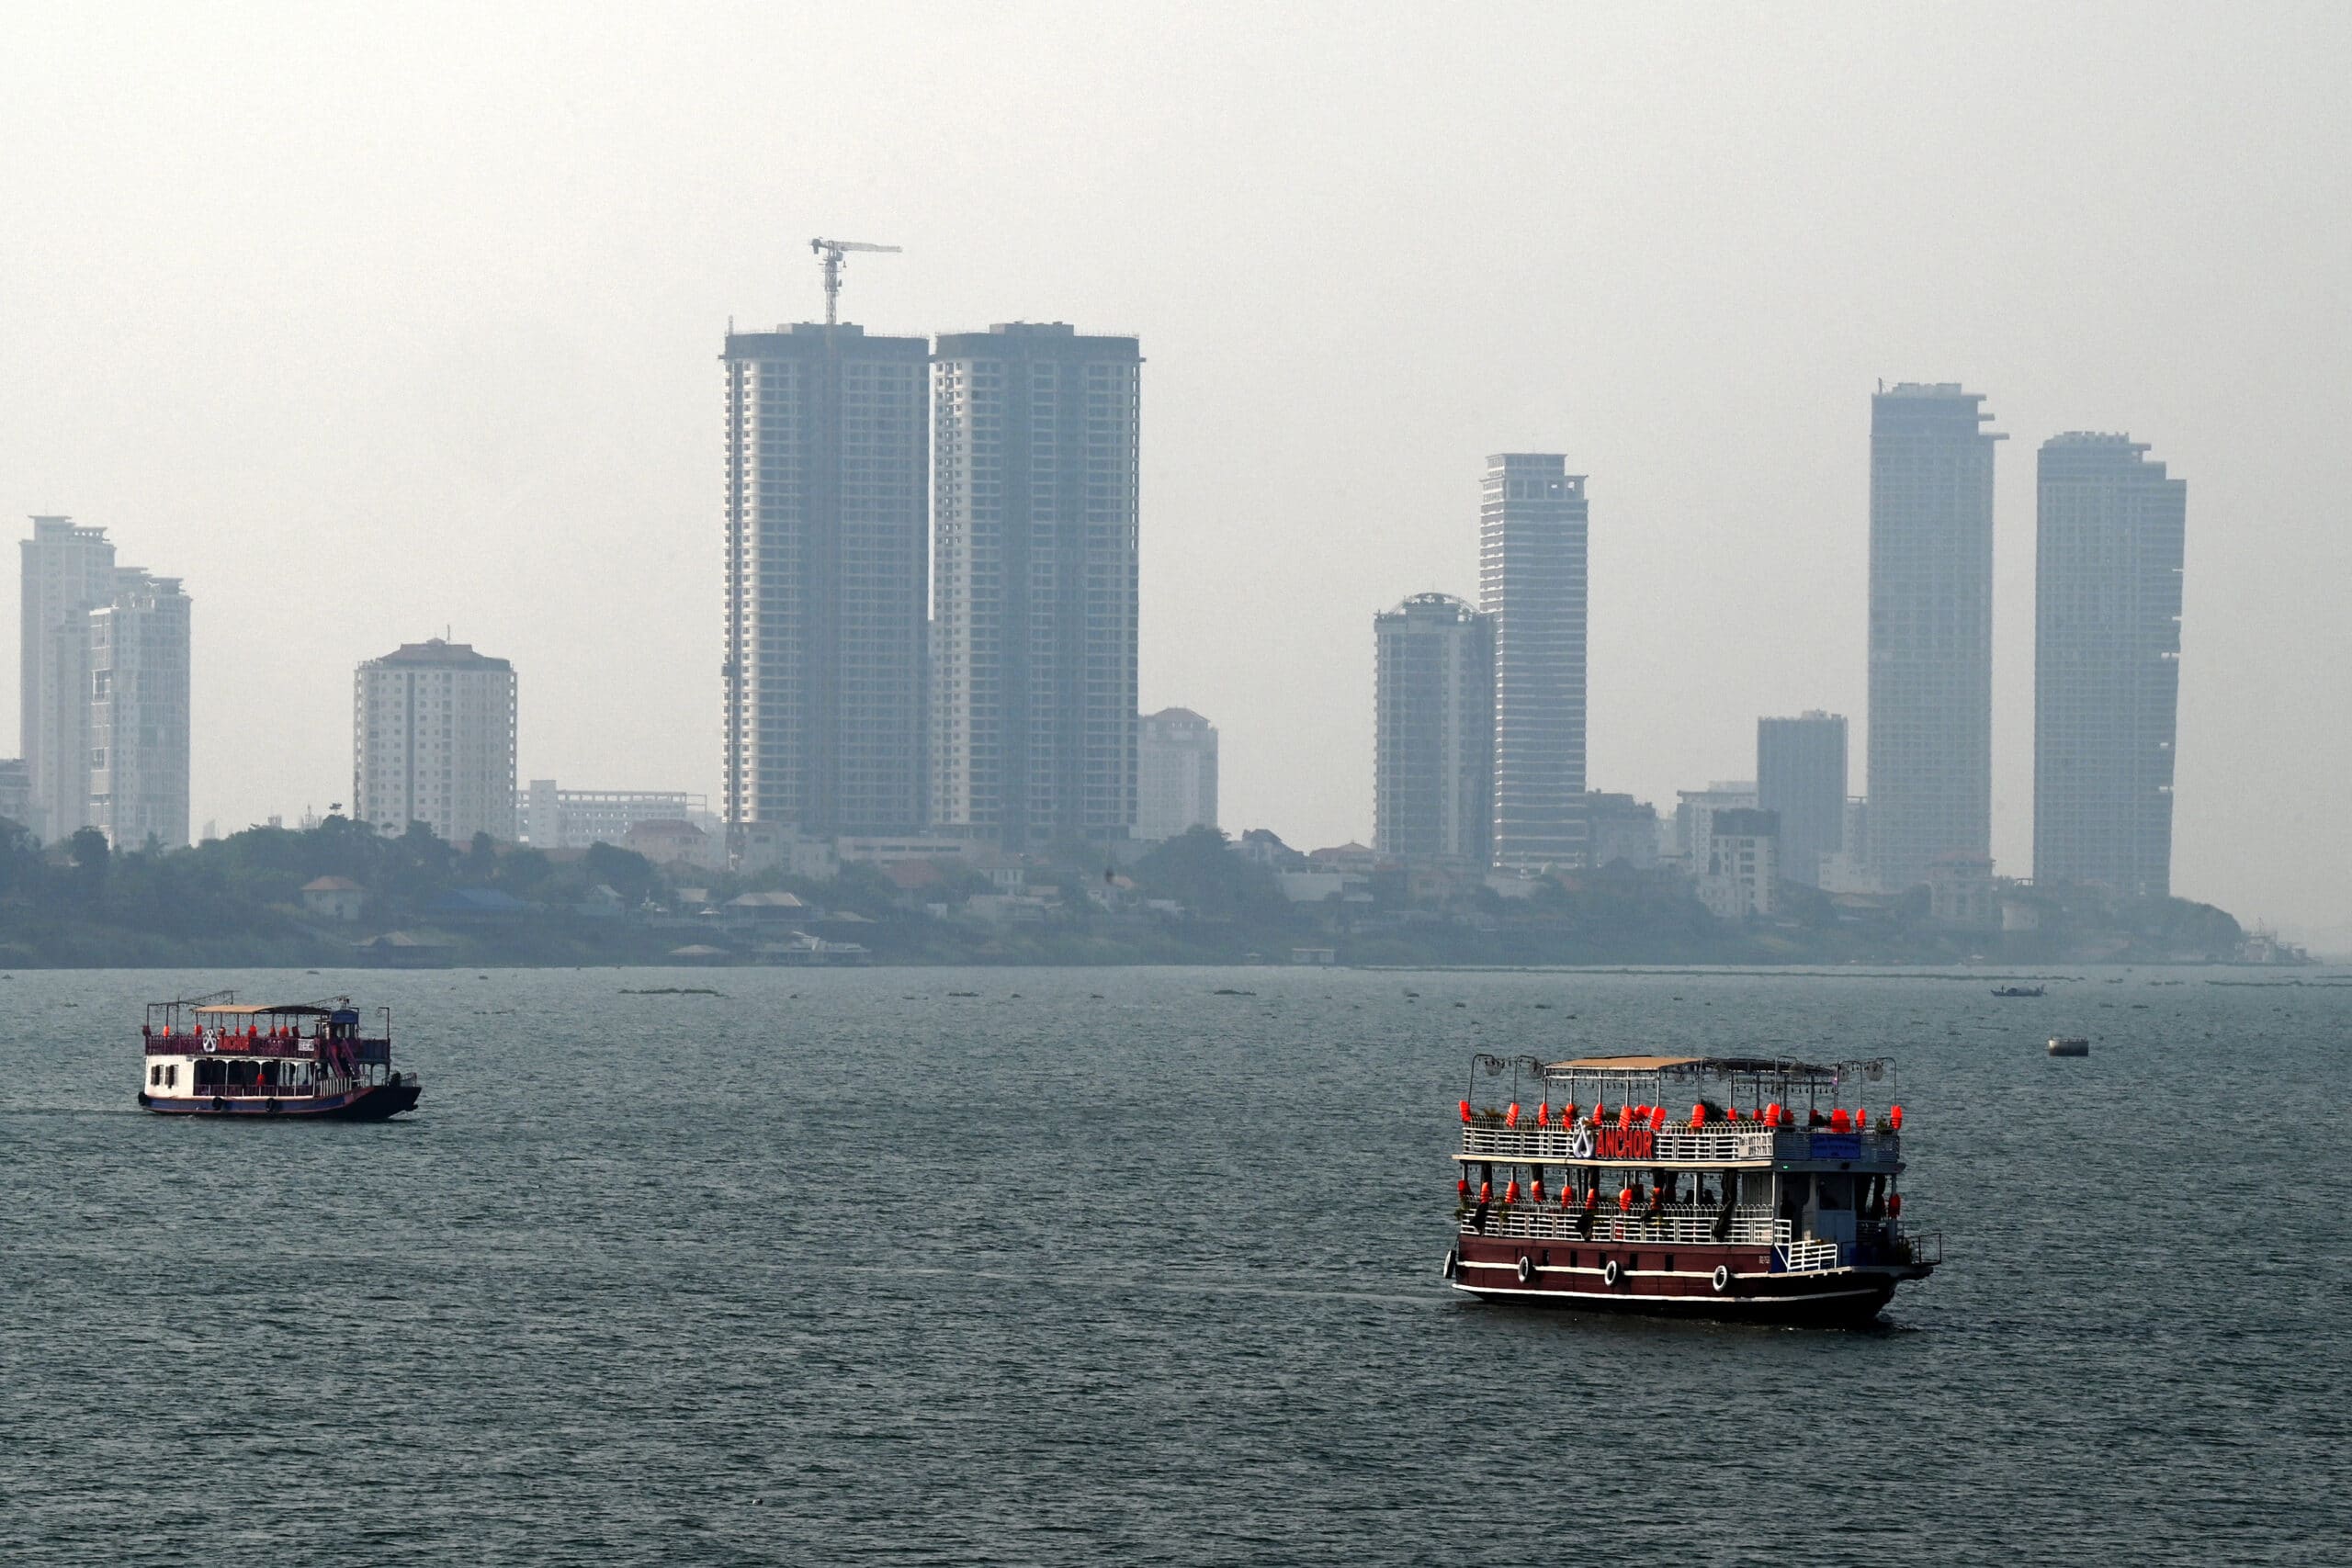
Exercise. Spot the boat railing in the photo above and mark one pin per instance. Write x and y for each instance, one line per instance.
(1680, 1225)
(1676, 1144)
(1805, 1256)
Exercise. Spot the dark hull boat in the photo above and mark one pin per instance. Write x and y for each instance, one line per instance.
(1768, 1215)
(304, 1061)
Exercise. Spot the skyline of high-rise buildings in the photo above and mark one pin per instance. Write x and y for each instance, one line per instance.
(969, 508)
(2109, 535)
(1434, 730)
(1034, 500)
(1533, 521)
(1929, 744)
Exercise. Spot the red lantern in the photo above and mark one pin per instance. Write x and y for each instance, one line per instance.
(1624, 1117)
(1462, 1187)
(1837, 1122)
(1567, 1113)
(1893, 1205)
(1485, 1192)
(1510, 1192)
(1657, 1118)
(1536, 1191)
(1542, 1113)
(1510, 1117)
(1465, 1112)
(1625, 1200)
(1699, 1115)
(1895, 1117)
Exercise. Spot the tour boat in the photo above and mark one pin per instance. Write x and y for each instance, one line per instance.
(212, 1057)
(1773, 1197)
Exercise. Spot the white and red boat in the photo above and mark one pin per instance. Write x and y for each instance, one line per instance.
(212, 1057)
(1768, 1194)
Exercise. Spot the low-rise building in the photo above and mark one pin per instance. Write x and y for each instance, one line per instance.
(673, 842)
(1961, 892)
(556, 818)
(333, 897)
(1743, 862)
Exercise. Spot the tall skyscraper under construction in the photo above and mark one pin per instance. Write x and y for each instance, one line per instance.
(827, 580)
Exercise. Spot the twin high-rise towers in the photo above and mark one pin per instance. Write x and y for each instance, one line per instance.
(2107, 647)
(1479, 747)
(932, 582)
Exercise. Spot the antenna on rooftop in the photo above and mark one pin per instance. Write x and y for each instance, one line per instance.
(832, 251)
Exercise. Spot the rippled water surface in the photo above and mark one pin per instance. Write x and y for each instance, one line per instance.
(1101, 1266)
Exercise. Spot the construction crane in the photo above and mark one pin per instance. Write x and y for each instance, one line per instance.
(833, 251)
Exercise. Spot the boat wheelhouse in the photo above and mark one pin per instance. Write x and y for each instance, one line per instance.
(211, 1055)
(1772, 1197)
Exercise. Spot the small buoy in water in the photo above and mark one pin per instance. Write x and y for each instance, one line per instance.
(2069, 1046)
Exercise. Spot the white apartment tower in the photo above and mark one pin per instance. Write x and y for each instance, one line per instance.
(68, 571)
(2106, 664)
(825, 661)
(1533, 524)
(432, 742)
(1433, 771)
(139, 730)
(1034, 500)
(1175, 773)
(1931, 742)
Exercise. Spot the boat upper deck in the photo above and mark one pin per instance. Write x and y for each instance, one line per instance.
(220, 1024)
(1743, 1111)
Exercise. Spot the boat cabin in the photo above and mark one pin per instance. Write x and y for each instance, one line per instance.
(214, 1047)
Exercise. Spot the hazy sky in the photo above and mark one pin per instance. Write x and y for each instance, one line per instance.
(370, 321)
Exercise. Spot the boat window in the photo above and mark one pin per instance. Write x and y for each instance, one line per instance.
(172, 1076)
(155, 1074)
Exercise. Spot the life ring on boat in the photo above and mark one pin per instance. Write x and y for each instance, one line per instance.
(272, 1104)
(1526, 1269)
(1609, 1272)
(1722, 1278)
(1451, 1267)
(219, 1103)
(1580, 1145)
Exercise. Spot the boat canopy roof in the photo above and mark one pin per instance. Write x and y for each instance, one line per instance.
(303, 1009)
(1782, 1073)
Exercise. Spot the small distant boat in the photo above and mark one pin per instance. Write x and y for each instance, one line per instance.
(2017, 990)
(2069, 1046)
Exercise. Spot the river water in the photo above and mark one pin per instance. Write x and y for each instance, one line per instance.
(1101, 1266)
